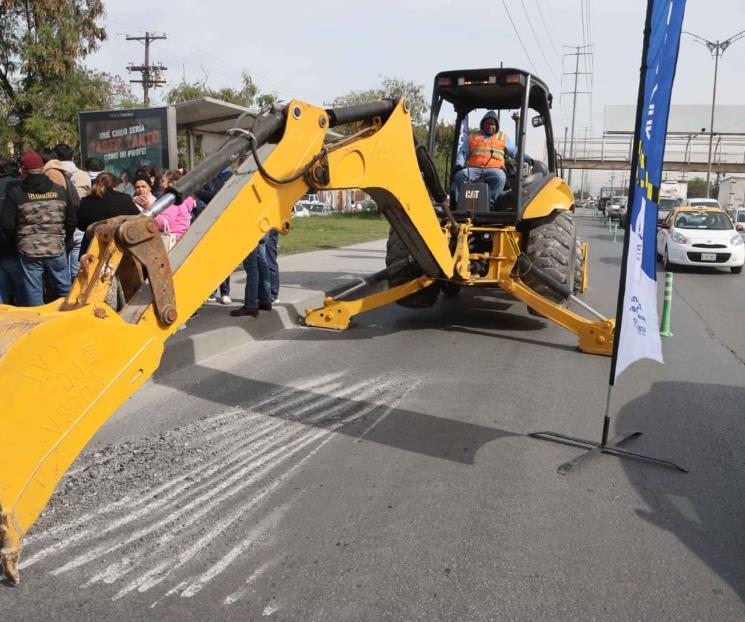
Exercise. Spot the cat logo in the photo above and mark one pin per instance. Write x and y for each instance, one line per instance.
(472, 194)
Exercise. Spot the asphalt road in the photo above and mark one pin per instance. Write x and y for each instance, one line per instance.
(384, 473)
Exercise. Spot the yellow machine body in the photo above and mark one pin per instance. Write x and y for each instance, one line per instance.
(67, 366)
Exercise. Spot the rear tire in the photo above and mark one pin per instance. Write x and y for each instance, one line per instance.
(396, 250)
(579, 264)
(552, 247)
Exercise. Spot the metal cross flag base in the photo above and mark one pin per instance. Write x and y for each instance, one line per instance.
(593, 449)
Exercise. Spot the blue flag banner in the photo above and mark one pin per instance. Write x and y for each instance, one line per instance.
(638, 335)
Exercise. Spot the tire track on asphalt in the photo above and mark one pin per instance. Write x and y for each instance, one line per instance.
(149, 493)
(251, 454)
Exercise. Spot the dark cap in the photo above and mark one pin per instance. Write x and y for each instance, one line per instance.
(31, 160)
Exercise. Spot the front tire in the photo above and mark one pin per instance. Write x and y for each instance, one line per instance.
(395, 251)
(736, 269)
(669, 267)
(552, 247)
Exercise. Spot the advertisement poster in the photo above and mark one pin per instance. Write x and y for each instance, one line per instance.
(127, 139)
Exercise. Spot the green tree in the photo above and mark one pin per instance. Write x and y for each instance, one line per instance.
(390, 88)
(248, 96)
(41, 46)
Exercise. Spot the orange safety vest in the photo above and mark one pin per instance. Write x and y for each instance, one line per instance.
(487, 151)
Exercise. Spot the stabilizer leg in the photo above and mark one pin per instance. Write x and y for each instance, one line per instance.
(337, 314)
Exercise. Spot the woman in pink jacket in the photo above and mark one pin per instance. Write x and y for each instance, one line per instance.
(178, 216)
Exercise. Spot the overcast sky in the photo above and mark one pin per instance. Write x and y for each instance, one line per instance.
(317, 51)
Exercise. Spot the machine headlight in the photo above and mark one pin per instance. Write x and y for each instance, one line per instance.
(736, 240)
(680, 238)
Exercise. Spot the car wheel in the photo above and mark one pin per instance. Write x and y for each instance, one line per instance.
(666, 262)
(736, 269)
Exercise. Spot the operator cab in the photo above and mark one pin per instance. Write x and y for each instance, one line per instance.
(523, 104)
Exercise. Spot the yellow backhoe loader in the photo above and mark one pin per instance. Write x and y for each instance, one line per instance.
(67, 366)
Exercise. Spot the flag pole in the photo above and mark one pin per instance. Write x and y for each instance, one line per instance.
(612, 447)
(631, 191)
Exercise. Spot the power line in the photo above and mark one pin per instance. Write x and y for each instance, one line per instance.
(538, 41)
(530, 60)
(548, 32)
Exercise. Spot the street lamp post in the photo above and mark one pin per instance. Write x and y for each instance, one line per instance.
(716, 48)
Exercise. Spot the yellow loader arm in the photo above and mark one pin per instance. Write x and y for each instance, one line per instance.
(67, 366)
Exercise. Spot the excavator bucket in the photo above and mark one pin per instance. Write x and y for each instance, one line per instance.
(62, 374)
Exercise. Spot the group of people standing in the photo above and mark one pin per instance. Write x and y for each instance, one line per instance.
(47, 203)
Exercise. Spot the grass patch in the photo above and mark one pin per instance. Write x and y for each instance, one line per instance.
(319, 232)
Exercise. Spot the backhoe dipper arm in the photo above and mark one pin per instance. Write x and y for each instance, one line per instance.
(67, 366)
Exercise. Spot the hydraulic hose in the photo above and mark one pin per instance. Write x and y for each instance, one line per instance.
(264, 129)
(525, 265)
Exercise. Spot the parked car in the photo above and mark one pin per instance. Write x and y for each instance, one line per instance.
(738, 217)
(615, 209)
(366, 205)
(316, 208)
(666, 205)
(299, 211)
(701, 237)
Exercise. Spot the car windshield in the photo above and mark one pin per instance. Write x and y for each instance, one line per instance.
(713, 221)
(740, 216)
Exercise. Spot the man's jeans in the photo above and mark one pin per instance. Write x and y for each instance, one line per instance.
(33, 270)
(73, 257)
(271, 260)
(495, 178)
(258, 288)
(10, 281)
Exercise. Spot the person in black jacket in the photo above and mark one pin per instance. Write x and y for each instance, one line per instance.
(10, 273)
(102, 203)
(41, 218)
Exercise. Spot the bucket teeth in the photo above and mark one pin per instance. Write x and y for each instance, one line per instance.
(10, 552)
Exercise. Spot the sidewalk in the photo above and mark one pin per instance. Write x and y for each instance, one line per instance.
(304, 278)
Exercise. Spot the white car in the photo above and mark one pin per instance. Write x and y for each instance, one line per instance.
(300, 211)
(700, 237)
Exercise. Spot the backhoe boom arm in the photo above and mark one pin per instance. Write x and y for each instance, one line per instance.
(67, 366)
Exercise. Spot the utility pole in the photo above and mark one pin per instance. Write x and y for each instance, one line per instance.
(584, 171)
(574, 94)
(716, 48)
(152, 75)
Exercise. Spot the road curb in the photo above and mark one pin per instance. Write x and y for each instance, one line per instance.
(198, 342)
